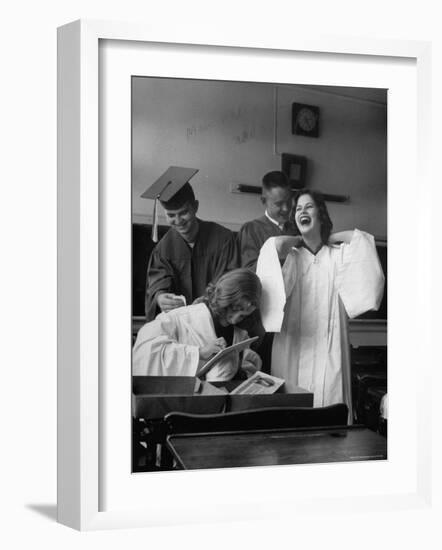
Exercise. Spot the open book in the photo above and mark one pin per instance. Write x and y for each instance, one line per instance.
(259, 383)
(235, 347)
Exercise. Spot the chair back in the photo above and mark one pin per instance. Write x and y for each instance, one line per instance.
(271, 418)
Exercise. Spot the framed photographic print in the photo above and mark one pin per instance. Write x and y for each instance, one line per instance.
(136, 107)
(295, 168)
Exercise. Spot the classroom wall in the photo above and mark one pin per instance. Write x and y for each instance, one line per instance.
(236, 132)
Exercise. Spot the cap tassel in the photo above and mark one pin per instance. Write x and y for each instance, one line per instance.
(155, 221)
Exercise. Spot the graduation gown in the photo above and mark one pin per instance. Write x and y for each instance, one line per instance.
(251, 237)
(320, 292)
(169, 345)
(254, 234)
(176, 267)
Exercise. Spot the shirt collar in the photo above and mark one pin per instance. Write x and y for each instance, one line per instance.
(280, 225)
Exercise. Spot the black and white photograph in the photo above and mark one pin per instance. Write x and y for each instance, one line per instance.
(259, 274)
(221, 298)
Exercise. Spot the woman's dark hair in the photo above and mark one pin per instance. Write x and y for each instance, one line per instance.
(231, 288)
(323, 215)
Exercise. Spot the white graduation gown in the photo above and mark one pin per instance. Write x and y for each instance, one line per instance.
(320, 292)
(169, 345)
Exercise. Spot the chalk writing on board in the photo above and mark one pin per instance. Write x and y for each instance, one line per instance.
(195, 129)
(246, 135)
(226, 119)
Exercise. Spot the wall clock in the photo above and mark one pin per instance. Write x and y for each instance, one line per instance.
(305, 120)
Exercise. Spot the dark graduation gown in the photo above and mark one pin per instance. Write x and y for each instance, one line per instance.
(254, 234)
(176, 267)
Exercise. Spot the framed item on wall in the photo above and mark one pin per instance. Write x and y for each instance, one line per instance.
(295, 168)
(305, 120)
(96, 486)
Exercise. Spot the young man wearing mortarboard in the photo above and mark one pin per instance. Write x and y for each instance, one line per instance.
(191, 254)
(277, 200)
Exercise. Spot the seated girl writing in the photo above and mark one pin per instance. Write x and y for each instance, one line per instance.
(179, 342)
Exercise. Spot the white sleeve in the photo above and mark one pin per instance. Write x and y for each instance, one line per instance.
(273, 295)
(157, 352)
(360, 279)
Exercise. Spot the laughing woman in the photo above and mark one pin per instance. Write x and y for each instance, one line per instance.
(327, 278)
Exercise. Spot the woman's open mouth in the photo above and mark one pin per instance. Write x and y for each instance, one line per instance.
(304, 220)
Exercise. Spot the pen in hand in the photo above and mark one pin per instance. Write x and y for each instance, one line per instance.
(212, 348)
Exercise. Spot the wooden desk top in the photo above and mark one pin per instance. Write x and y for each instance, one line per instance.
(270, 448)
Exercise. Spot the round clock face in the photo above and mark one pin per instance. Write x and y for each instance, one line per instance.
(306, 119)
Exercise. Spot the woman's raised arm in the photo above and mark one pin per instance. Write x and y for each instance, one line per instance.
(341, 237)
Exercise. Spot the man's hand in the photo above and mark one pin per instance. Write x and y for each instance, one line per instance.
(286, 243)
(212, 348)
(167, 301)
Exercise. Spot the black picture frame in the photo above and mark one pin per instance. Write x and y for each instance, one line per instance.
(295, 168)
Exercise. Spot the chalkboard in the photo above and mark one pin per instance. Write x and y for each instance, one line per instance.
(142, 246)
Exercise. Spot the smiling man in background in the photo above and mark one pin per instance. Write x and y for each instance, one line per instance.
(191, 254)
(277, 200)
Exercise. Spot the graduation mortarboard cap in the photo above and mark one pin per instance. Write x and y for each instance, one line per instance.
(172, 189)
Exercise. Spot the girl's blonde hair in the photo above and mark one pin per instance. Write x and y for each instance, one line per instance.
(230, 289)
